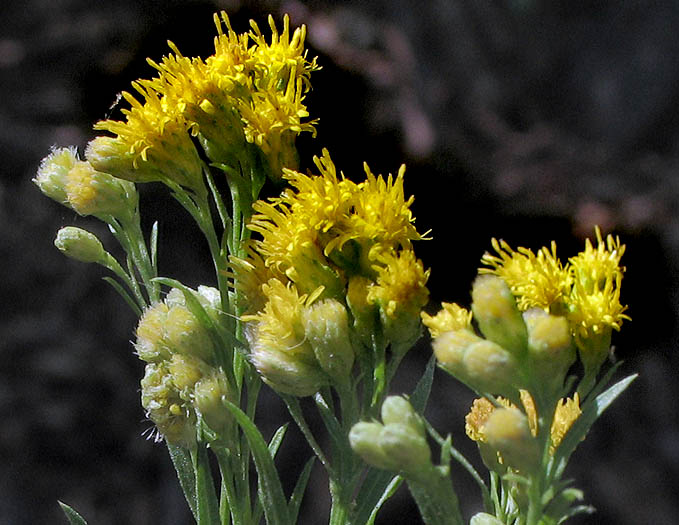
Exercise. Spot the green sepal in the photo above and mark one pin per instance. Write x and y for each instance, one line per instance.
(270, 488)
(73, 517)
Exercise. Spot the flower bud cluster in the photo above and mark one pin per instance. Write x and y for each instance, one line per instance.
(514, 351)
(182, 379)
(333, 273)
(62, 176)
(398, 443)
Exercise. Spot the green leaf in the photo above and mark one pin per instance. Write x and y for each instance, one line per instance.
(181, 459)
(277, 439)
(73, 517)
(270, 488)
(118, 288)
(154, 246)
(388, 492)
(421, 393)
(219, 202)
(591, 411)
(377, 487)
(300, 488)
(207, 505)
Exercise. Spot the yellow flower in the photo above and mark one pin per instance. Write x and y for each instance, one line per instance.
(593, 267)
(247, 275)
(289, 246)
(475, 420)
(281, 81)
(451, 317)
(567, 412)
(323, 201)
(594, 303)
(401, 283)
(381, 213)
(154, 138)
(538, 280)
(597, 312)
(279, 349)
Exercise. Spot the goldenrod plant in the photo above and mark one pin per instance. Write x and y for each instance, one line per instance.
(318, 293)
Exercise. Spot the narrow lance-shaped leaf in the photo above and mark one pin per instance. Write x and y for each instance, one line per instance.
(181, 459)
(270, 488)
(300, 488)
(590, 413)
(73, 517)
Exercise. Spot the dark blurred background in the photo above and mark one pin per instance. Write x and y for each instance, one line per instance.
(521, 119)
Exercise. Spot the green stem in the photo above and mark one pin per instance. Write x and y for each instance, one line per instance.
(298, 416)
(113, 265)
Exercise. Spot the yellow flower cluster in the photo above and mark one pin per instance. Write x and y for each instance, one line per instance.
(327, 237)
(248, 91)
(586, 289)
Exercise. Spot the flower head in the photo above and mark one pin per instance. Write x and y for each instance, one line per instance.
(279, 349)
(153, 141)
(451, 317)
(538, 280)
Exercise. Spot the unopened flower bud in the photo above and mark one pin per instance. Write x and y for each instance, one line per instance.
(326, 327)
(364, 439)
(550, 347)
(507, 430)
(173, 416)
(150, 344)
(490, 368)
(51, 177)
(364, 313)
(498, 316)
(482, 518)
(80, 244)
(397, 409)
(91, 192)
(111, 155)
(284, 369)
(186, 371)
(406, 448)
(450, 347)
(209, 395)
(184, 334)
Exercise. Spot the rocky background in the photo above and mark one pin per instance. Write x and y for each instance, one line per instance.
(521, 119)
